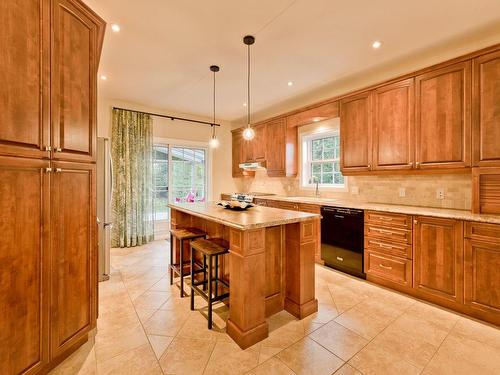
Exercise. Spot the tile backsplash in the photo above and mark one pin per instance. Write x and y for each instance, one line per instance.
(420, 190)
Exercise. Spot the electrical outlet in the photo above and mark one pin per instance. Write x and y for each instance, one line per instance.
(402, 192)
(355, 190)
(440, 193)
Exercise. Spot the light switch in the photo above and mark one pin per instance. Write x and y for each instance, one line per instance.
(440, 193)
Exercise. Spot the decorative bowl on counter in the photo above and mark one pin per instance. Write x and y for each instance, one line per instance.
(235, 205)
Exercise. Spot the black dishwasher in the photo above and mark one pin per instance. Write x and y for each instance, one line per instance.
(342, 239)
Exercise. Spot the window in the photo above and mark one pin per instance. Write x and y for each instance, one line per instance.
(188, 174)
(321, 160)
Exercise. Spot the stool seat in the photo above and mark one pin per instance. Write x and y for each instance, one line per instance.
(187, 233)
(213, 246)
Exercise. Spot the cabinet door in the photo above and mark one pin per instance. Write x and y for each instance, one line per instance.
(393, 126)
(237, 145)
(259, 144)
(356, 133)
(73, 253)
(442, 117)
(482, 275)
(74, 72)
(486, 110)
(24, 76)
(24, 257)
(247, 150)
(275, 147)
(438, 258)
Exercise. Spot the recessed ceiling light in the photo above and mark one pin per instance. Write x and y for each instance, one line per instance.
(376, 44)
(115, 27)
(316, 119)
(104, 77)
(290, 83)
(244, 104)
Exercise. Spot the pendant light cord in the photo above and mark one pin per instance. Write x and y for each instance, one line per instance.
(248, 89)
(213, 127)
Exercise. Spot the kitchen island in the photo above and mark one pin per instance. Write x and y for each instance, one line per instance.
(270, 265)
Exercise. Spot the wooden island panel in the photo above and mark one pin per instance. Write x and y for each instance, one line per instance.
(269, 269)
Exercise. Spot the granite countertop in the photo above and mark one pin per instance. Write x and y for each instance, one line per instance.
(253, 218)
(393, 208)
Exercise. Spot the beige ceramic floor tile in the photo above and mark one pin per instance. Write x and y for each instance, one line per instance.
(159, 344)
(140, 361)
(186, 356)
(326, 312)
(285, 335)
(345, 299)
(272, 366)
(151, 300)
(229, 359)
(347, 370)
(165, 323)
(440, 317)
(308, 357)
(375, 360)
(341, 341)
(481, 332)
(110, 345)
(113, 321)
(196, 328)
(145, 314)
(459, 355)
(267, 352)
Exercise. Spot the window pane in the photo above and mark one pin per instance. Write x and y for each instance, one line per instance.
(317, 144)
(339, 179)
(317, 155)
(328, 154)
(327, 167)
(328, 142)
(316, 168)
(327, 178)
(336, 166)
(316, 177)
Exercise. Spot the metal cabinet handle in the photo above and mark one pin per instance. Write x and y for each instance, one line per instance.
(48, 148)
(415, 222)
(340, 259)
(58, 149)
(48, 170)
(385, 218)
(58, 170)
(385, 267)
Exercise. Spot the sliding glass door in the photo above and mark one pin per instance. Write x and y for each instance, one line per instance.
(180, 175)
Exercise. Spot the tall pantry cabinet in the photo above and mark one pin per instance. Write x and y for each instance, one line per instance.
(48, 253)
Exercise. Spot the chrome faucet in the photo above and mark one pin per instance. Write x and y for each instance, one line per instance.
(316, 181)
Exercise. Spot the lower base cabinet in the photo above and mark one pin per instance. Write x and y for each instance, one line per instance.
(482, 275)
(438, 258)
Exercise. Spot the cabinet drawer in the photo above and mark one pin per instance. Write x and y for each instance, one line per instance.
(482, 231)
(389, 248)
(392, 220)
(397, 270)
(311, 208)
(260, 202)
(392, 234)
(287, 206)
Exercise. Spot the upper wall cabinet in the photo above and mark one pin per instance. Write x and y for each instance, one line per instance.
(355, 132)
(393, 126)
(486, 110)
(24, 86)
(442, 121)
(275, 147)
(74, 86)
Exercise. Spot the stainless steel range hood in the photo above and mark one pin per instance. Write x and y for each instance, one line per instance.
(253, 166)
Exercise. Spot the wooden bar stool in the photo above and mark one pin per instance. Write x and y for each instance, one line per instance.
(182, 234)
(211, 248)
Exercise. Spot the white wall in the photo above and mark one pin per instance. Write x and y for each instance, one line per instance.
(220, 179)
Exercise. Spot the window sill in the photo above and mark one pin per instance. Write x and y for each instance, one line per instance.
(338, 189)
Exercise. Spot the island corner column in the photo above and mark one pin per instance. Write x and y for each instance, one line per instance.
(300, 241)
(247, 323)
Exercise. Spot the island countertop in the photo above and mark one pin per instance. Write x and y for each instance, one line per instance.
(253, 218)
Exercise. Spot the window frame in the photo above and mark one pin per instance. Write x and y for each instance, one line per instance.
(306, 140)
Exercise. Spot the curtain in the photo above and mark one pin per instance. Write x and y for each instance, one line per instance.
(131, 148)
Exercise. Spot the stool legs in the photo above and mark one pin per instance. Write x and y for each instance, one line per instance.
(204, 273)
(209, 292)
(192, 276)
(171, 271)
(181, 266)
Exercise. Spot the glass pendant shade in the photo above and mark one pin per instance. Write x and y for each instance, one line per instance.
(214, 142)
(248, 133)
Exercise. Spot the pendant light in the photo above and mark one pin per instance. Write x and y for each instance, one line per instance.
(248, 133)
(214, 142)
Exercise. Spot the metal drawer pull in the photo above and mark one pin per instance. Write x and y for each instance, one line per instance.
(58, 149)
(385, 218)
(386, 267)
(339, 216)
(384, 246)
(383, 231)
(340, 259)
(58, 170)
(48, 148)
(48, 170)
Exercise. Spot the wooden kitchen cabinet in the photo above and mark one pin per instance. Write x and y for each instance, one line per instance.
(356, 133)
(442, 117)
(73, 253)
(24, 268)
(393, 126)
(486, 110)
(259, 143)
(275, 147)
(438, 258)
(237, 153)
(74, 81)
(24, 62)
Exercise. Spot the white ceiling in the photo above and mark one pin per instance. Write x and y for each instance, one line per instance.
(162, 55)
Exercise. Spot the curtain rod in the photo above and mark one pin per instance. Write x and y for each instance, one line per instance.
(170, 117)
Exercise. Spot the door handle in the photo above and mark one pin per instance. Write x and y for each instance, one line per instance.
(339, 216)
(110, 224)
(340, 259)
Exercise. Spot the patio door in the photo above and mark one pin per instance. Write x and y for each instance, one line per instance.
(180, 175)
